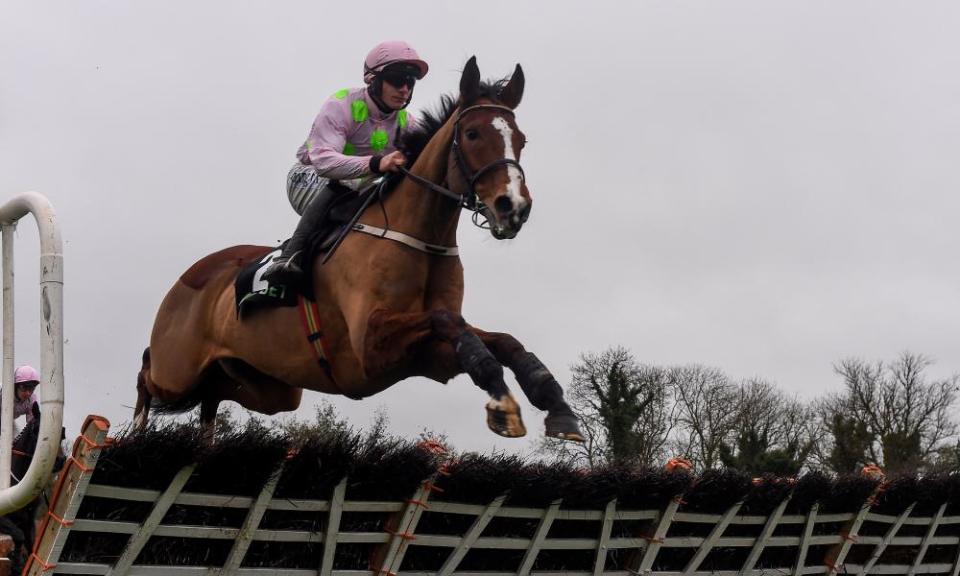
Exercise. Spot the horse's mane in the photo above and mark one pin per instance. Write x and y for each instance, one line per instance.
(429, 122)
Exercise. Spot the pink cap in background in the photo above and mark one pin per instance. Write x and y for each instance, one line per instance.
(26, 373)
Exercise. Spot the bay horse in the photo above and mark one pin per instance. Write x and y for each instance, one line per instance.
(389, 309)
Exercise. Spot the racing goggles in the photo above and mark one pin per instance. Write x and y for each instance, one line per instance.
(399, 77)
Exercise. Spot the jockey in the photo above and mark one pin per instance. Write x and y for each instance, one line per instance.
(26, 379)
(353, 140)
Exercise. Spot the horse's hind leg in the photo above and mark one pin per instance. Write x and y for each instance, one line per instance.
(142, 410)
(235, 380)
(536, 381)
(442, 346)
(208, 418)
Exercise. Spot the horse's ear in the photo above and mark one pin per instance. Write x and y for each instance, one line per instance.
(470, 81)
(512, 93)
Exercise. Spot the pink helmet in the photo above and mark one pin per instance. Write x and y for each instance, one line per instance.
(26, 373)
(391, 52)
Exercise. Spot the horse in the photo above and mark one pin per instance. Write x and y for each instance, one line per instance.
(388, 300)
(21, 524)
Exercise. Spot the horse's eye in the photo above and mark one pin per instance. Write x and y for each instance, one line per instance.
(472, 134)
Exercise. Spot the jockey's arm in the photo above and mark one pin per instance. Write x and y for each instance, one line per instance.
(326, 143)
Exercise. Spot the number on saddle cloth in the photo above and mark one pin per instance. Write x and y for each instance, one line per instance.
(253, 292)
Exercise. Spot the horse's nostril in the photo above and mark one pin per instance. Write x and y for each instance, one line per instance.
(504, 205)
(525, 212)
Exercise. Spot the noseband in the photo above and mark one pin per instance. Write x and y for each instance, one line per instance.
(468, 200)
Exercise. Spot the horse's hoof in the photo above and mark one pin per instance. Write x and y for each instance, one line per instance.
(503, 417)
(563, 426)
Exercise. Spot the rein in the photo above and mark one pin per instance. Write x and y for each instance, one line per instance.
(21, 453)
(15, 452)
(433, 186)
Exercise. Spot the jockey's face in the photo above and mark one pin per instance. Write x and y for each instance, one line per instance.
(24, 391)
(395, 97)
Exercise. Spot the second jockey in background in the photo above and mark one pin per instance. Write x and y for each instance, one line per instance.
(26, 379)
(353, 140)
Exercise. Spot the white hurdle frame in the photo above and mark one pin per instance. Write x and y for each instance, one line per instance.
(51, 349)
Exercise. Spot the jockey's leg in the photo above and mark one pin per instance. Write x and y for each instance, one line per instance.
(310, 195)
(438, 344)
(537, 383)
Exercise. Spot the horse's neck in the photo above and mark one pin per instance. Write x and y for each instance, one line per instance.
(422, 213)
(25, 443)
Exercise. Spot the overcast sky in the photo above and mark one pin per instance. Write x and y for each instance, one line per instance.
(764, 187)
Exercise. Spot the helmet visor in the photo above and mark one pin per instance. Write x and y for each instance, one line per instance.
(30, 385)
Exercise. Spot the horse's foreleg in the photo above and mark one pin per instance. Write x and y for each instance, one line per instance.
(441, 346)
(142, 409)
(537, 383)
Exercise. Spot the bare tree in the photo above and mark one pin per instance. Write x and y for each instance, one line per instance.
(897, 417)
(592, 452)
(624, 409)
(772, 431)
(706, 413)
(947, 460)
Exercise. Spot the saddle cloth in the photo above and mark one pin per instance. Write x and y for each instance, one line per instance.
(253, 292)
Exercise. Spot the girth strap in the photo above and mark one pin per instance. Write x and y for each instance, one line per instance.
(406, 239)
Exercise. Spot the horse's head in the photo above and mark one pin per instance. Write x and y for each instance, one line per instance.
(486, 151)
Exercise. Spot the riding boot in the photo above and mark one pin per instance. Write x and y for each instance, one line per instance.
(287, 268)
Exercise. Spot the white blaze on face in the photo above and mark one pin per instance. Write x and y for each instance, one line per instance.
(513, 186)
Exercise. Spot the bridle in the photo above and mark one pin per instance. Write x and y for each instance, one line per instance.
(470, 201)
(472, 177)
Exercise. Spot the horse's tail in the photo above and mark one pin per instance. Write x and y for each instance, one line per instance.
(142, 409)
(144, 368)
(191, 399)
(183, 404)
(146, 401)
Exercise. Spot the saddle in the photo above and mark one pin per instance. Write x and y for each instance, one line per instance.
(343, 206)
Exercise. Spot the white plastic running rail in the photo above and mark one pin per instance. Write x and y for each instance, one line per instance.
(51, 350)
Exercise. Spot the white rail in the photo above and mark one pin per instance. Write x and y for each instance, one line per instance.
(51, 349)
(400, 524)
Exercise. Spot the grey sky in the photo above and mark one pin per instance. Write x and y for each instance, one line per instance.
(764, 187)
